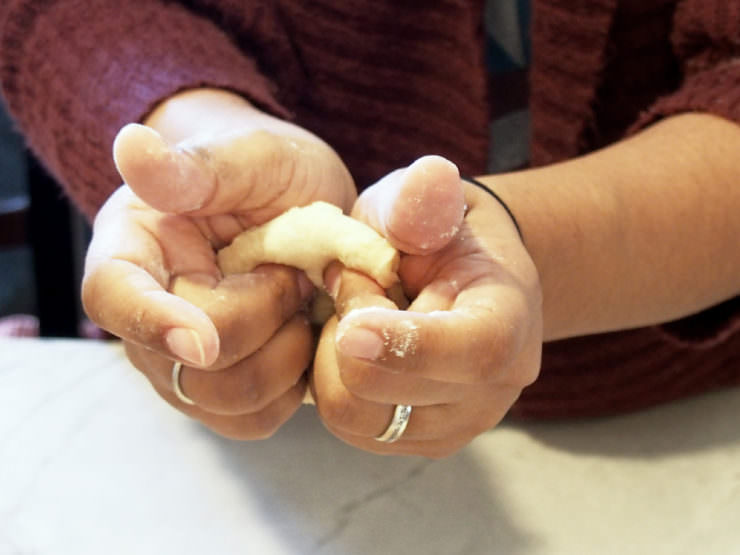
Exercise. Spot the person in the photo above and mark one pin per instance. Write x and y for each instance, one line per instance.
(620, 292)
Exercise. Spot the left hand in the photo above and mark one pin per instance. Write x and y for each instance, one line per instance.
(468, 344)
(151, 275)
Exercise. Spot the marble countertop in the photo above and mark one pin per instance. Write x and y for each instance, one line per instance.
(91, 461)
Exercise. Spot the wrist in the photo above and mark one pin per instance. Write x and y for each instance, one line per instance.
(211, 112)
(498, 199)
(638, 233)
(569, 226)
(198, 111)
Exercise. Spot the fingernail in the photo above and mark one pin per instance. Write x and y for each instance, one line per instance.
(186, 344)
(361, 343)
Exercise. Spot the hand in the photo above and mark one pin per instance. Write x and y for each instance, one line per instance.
(469, 342)
(151, 276)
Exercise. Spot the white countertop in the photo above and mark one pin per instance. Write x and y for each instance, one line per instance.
(91, 461)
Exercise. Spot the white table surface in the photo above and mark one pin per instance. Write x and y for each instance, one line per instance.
(91, 461)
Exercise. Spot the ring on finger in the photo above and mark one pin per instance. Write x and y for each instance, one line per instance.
(400, 420)
(176, 369)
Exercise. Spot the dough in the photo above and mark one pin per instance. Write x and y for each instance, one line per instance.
(309, 238)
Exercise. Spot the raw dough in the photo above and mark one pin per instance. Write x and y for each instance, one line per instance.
(309, 238)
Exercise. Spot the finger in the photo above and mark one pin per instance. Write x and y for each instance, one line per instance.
(246, 309)
(124, 291)
(252, 426)
(368, 383)
(167, 178)
(430, 344)
(347, 414)
(246, 387)
(362, 421)
(130, 266)
(419, 208)
(353, 291)
(338, 407)
(254, 171)
(454, 424)
(126, 301)
(437, 448)
(350, 290)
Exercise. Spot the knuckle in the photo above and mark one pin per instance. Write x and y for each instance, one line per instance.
(263, 424)
(359, 379)
(498, 350)
(237, 429)
(258, 426)
(228, 392)
(275, 157)
(288, 168)
(336, 409)
(489, 371)
(530, 369)
(247, 395)
(483, 366)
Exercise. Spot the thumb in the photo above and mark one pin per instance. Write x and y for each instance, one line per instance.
(249, 171)
(419, 209)
(167, 178)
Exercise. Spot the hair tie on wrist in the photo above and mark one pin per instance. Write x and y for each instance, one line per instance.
(498, 199)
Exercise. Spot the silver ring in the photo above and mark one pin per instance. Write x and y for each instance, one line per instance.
(398, 424)
(176, 368)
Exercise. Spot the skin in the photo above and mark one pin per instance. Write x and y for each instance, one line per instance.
(642, 232)
(638, 233)
(192, 184)
(461, 353)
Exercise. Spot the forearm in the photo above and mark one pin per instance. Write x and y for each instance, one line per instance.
(642, 232)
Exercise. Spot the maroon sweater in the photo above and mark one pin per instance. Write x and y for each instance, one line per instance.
(385, 82)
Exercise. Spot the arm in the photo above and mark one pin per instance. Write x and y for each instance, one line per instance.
(85, 83)
(638, 233)
(151, 275)
(635, 234)
(641, 232)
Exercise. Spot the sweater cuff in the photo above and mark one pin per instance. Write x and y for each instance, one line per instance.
(72, 85)
(715, 91)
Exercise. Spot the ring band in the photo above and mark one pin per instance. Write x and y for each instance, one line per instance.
(398, 424)
(176, 368)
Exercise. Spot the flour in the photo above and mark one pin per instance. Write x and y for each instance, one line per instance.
(402, 339)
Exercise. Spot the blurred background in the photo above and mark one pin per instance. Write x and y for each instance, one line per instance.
(42, 244)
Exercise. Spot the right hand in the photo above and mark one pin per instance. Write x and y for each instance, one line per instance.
(468, 343)
(151, 276)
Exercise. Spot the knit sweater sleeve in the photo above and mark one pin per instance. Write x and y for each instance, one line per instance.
(73, 72)
(706, 39)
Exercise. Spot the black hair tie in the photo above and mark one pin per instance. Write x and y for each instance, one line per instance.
(498, 199)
